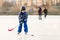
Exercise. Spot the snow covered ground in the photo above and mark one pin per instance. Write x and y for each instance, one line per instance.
(45, 29)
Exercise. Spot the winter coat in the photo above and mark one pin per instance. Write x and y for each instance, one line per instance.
(45, 11)
(40, 11)
(23, 16)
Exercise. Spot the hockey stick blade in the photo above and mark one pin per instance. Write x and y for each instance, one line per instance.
(10, 29)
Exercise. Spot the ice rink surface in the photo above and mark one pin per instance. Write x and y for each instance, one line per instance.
(45, 29)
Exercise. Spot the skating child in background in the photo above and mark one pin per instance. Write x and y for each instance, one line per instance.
(45, 12)
(40, 13)
(23, 16)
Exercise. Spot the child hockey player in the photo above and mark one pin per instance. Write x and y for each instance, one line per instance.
(23, 19)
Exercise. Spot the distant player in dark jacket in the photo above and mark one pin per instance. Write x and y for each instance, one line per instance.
(23, 16)
(45, 12)
(40, 13)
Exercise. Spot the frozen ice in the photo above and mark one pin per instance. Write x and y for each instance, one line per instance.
(46, 29)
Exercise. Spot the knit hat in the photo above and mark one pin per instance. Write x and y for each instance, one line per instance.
(23, 8)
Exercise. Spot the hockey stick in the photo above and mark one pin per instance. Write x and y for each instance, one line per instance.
(12, 28)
